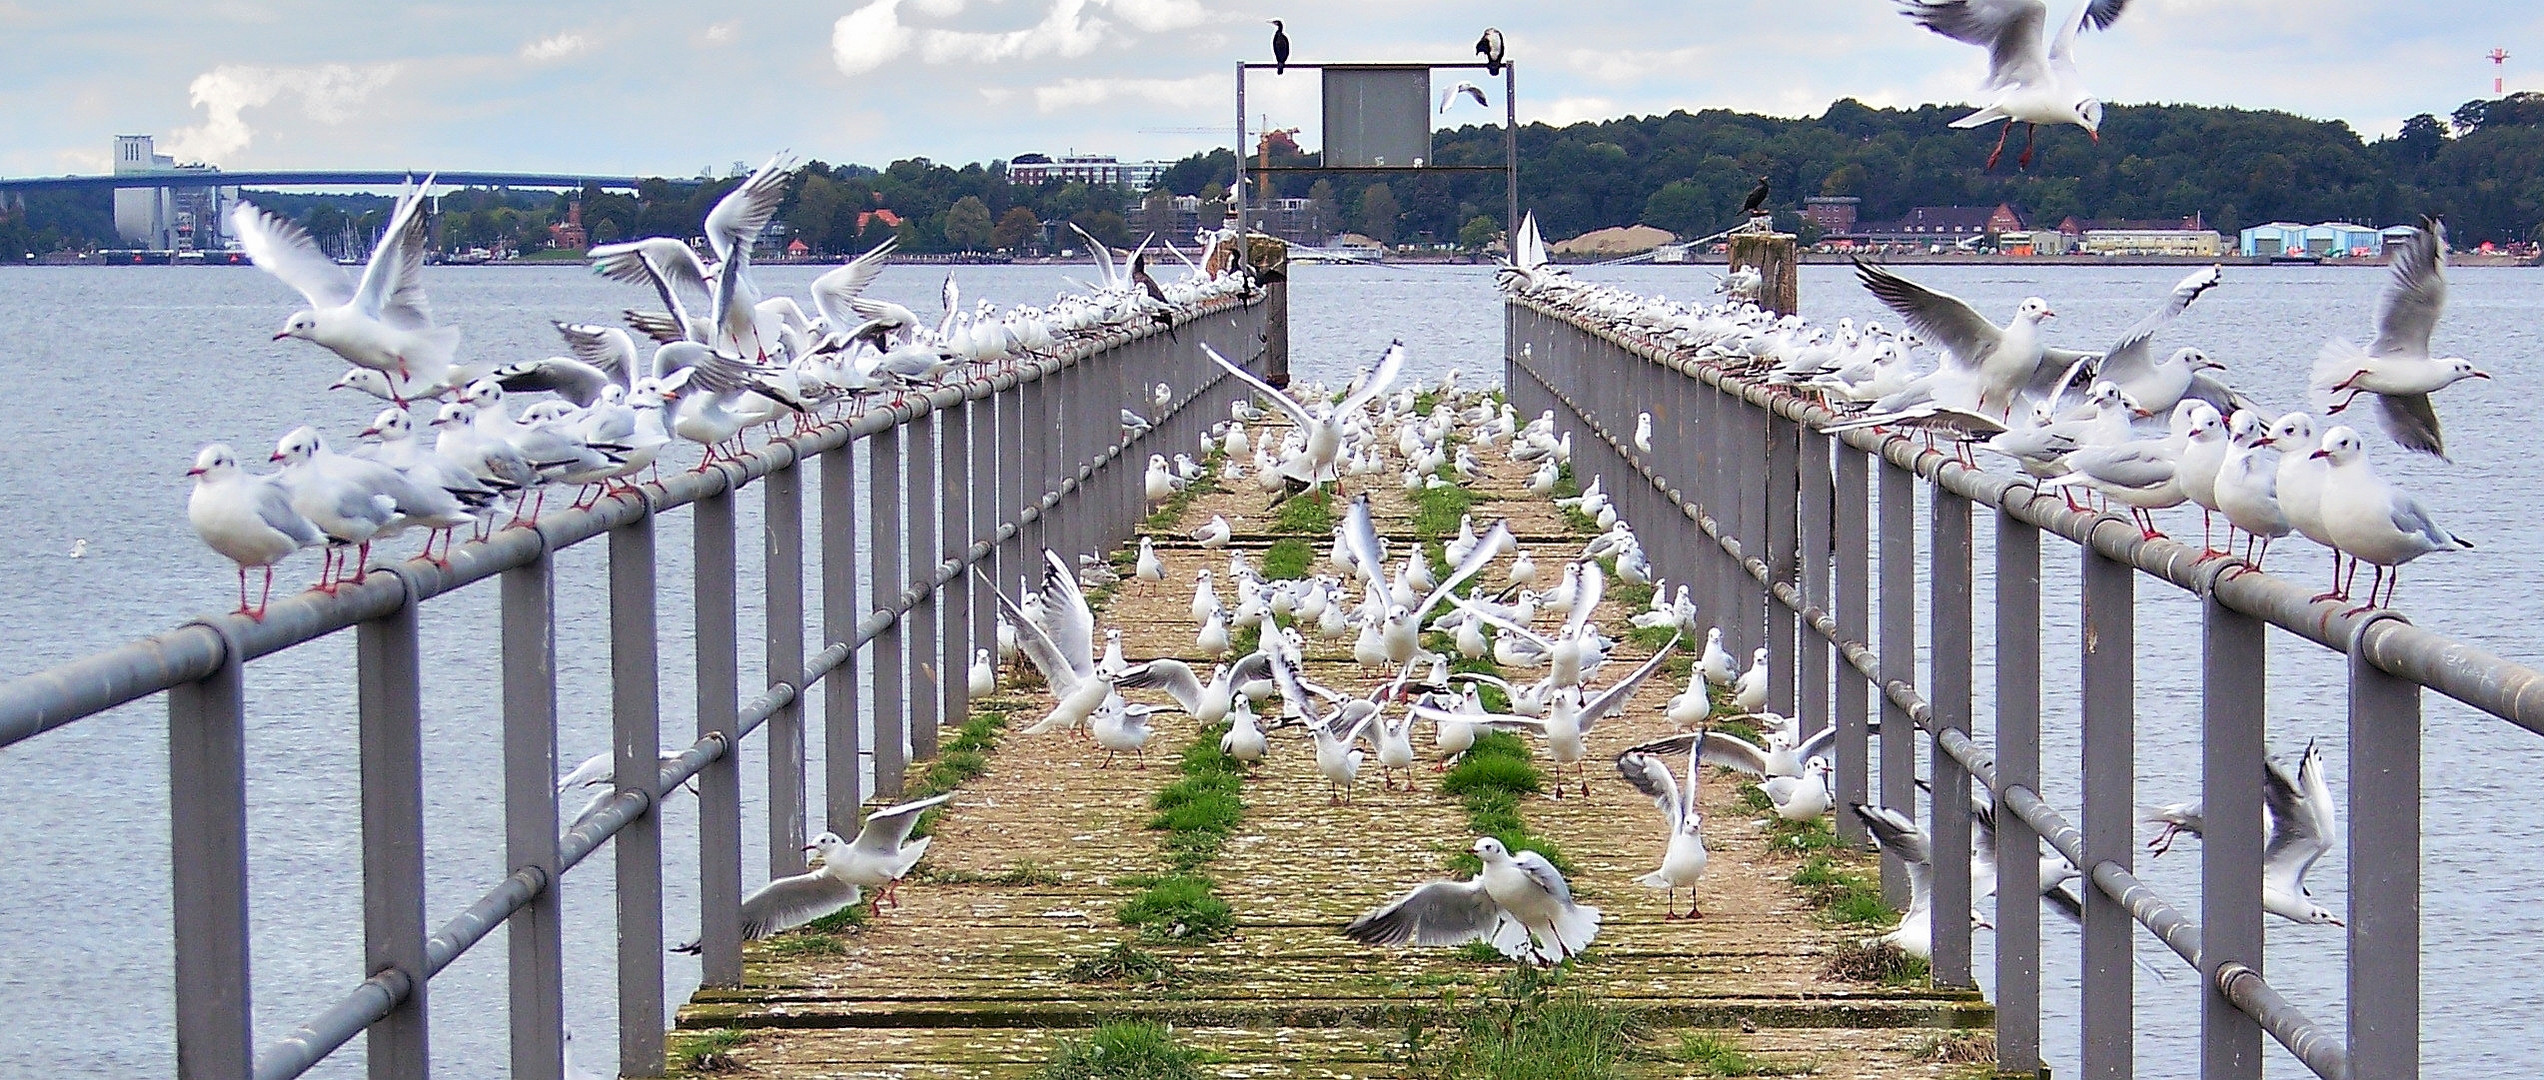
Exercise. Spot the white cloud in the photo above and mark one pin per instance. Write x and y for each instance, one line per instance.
(722, 33)
(868, 38)
(328, 94)
(1079, 93)
(555, 47)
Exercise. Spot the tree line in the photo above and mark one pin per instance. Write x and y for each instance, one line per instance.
(2481, 167)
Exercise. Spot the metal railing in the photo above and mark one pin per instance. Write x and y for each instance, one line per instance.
(966, 485)
(1780, 548)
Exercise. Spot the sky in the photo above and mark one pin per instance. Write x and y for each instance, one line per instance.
(670, 87)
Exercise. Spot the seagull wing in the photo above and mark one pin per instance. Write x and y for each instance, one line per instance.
(887, 829)
(1439, 913)
(833, 290)
(1286, 403)
(2417, 295)
(1608, 699)
(285, 250)
(1942, 317)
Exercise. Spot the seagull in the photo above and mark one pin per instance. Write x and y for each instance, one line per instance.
(381, 322)
(1280, 48)
(2373, 521)
(1448, 97)
(1519, 903)
(2005, 360)
(2398, 368)
(1683, 861)
(247, 518)
(2036, 81)
(1490, 48)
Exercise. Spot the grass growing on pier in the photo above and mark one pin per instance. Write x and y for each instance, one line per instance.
(1122, 963)
(1124, 1050)
(1306, 515)
(1288, 559)
(1714, 1054)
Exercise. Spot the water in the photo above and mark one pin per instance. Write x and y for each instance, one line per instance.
(117, 376)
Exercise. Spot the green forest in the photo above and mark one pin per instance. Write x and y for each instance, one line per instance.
(2481, 167)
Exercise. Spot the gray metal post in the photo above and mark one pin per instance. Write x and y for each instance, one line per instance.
(926, 637)
(2384, 857)
(1898, 660)
(391, 708)
(534, 936)
(1950, 813)
(2232, 749)
(1782, 501)
(207, 825)
(2110, 722)
(636, 723)
(1854, 624)
(719, 685)
(842, 786)
(2018, 608)
(891, 577)
(782, 519)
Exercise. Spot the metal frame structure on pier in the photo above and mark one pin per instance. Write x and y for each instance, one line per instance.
(1748, 499)
(969, 483)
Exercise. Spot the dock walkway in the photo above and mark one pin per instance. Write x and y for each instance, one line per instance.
(970, 977)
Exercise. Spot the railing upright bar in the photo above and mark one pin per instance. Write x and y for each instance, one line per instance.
(2109, 998)
(782, 526)
(636, 720)
(207, 824)
(1898, 661)
(842, 785)
(1783, 510)
(2018, 944)
(890, 575)
(2384, 864)
(2232, 748)
(1949, 813)
(925, 638)
(391, 711)
(534, 936)
(719, 688)
(1854, 623)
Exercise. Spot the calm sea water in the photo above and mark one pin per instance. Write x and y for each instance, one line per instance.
(114, 377)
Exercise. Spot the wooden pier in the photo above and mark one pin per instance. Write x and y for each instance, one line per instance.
(971, 977)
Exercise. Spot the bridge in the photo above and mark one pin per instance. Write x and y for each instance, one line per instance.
(272, 178)
(1825, 548)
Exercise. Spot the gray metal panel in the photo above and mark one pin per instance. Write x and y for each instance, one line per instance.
(1377, 116)
(390, 698)
(207, 824)
(534, 935)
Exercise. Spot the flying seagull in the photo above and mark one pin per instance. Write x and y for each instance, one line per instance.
(1490, 48)
(2398, 368)
(2036, 82)
(1280, 48)
(1449, 96)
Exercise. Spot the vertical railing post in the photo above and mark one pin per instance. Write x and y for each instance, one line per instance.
(719, 685)
(1949, 815)
(2232, 750)
(391, 709)
(2109, 787)
(842, 792)
(636, 718)
(925, 641)
(207, 825)
(1854, 624)
(2384, 865)
(782, 522)
(533, 936)
(2017, 852)
(1898, 660)
(891, 579)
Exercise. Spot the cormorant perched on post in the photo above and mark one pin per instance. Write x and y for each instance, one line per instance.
(1490, 47)
(1280, 48)
(1757, 200)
